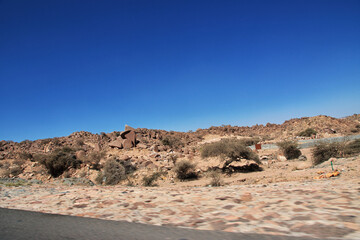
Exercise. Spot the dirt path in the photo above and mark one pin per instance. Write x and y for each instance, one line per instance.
(323, 209)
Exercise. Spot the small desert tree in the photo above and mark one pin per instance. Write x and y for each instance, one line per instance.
(230, 150)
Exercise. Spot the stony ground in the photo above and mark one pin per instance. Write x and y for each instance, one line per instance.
(328, 208)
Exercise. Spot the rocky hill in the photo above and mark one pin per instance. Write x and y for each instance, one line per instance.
(146, 149)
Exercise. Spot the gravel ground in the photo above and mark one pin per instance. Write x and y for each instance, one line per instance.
(328, 208)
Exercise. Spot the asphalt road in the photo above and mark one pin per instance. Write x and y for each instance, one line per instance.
(19, 224)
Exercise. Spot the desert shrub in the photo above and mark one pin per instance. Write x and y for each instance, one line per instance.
(66, 174)
(25, 156)
(250, 141)
(79, 142)
(307, 132)
(290, 149)
(15, 170)
(185, 170)
(172, 141)
(323, 151)
(99, 178)
(56, 142)
(18, 162)
(352, 147)
(93, 159)
(354, 130)
(229, 149)
(26, 142)
(113, 172)
(4, 164)
(149, 181)
(173, 157)
(59, 161)
(216, 180)
(128, 166)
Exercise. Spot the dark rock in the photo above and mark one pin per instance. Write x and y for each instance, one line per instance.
(127, 143)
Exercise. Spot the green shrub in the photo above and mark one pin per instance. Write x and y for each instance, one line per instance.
(230, 149)
(185, 170)
(290, 149)
(323, 151)
(59, 161)
(307, 132)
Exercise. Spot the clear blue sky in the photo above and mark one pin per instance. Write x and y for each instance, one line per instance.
(71, 65)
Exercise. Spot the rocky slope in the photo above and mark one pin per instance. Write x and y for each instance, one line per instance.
(148, 149)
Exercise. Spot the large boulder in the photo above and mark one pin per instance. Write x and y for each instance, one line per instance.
(129, 135)
(127, 144)
(116, 144)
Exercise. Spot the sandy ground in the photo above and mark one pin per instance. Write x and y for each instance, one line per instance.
(284, 199)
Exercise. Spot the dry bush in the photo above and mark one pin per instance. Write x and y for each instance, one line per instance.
(216, 180)
(113, 172)
(185, 170)
(172, 142)
(250, 141)
(59, 161)
(66, 174)
(307, 132)
(290, 149)
(149, 181)
(352, 147)
(323, 151)
(100, 178)
(79, 142)
(19, 162)
(15, 170)
(25, 156)
(4, 164)
(173, 157)
(93, 159)
(231, 149)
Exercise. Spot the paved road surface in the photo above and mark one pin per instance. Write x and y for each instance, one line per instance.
(19, 224)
